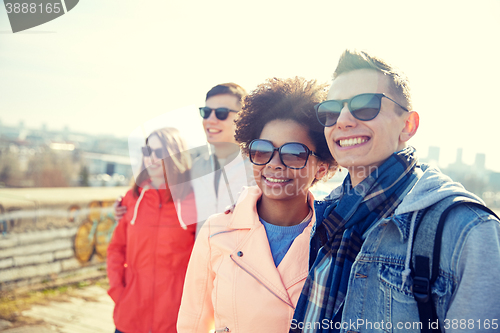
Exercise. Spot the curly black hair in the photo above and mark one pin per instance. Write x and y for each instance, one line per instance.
(284, 99)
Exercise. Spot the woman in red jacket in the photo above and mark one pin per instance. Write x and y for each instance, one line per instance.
(149, 252)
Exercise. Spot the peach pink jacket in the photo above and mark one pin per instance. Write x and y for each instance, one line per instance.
(232, 283)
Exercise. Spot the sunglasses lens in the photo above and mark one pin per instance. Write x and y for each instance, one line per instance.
(159, 153)
(205, 112)
(294, 155)
(261, 152)
(365, 107)
(146, 151)
(328, 112)
(222, 113)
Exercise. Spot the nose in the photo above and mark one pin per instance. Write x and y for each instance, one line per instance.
(275, 162)
(345, 119)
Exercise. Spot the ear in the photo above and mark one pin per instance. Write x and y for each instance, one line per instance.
(411, 126)
(321, 170)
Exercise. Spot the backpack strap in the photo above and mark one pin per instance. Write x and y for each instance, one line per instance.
(426, 255)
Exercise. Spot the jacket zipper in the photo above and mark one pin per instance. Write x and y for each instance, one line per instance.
(154, 260)
(272, 292)
(225, 329)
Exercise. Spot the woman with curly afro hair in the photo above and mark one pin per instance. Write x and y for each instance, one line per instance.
(248, 267)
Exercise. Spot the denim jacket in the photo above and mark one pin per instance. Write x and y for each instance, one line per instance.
(466, 292)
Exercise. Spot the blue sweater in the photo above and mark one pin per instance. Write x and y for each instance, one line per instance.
(281, 238)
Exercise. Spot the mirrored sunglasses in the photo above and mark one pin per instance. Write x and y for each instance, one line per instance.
(293, 155)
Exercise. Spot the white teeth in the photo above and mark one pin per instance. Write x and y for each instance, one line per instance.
(351, 142)
(211, 130)
(274, 180)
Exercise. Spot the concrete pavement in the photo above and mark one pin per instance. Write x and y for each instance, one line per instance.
(90, 312)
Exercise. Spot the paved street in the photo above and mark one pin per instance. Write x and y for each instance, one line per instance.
(79, 315)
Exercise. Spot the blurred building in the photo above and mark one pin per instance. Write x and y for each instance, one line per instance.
(480, 161)
(108, 169)
(89, 160)
(432, 156)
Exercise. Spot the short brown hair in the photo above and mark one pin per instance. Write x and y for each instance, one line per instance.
(352, 60)
(284, 99)
(227, 89)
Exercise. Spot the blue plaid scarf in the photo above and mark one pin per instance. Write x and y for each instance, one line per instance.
(339, 238)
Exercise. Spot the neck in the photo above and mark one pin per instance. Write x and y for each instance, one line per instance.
(224, 149)
(357, 175)
(157, 183)
(283, 212)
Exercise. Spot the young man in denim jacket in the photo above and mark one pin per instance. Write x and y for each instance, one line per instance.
(360, 256)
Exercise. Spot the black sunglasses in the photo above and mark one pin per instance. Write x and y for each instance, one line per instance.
(220, 113)
(293, 155)
(147, 151)
(363, 107)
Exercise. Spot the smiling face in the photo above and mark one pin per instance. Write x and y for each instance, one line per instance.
(221, 130)
(362, 146)
(278, 182)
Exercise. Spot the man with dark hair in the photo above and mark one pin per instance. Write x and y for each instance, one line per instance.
(222, 104)
(361, 275)
(220, 174)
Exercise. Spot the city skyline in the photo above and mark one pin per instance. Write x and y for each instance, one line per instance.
(428, 154)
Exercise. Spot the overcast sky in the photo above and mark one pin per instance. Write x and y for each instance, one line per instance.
(108, 66)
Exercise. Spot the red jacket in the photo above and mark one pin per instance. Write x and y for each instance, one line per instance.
(147, 260)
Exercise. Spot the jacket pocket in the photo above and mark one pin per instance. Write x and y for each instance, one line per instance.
(116, 293)
(129, 282)
(399, 306)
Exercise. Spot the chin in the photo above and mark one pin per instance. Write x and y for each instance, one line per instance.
(280, 194)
